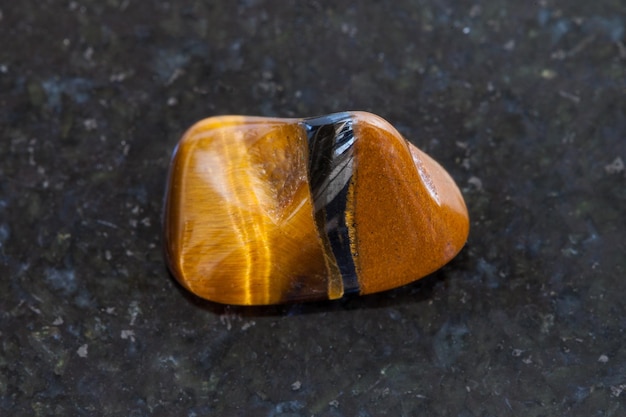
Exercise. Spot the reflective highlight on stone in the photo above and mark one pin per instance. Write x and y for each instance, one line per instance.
(266, 210)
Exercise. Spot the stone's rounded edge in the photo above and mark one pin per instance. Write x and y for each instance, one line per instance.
(452, 200)
(403, 229)
(373, 120)
(171, 218)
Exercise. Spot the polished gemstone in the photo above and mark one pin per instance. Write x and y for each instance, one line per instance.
(266, 210)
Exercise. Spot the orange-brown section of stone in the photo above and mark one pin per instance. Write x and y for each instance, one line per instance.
(409, 217)
(239, 225)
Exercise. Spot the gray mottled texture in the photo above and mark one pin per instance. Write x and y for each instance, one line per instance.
(523, 102)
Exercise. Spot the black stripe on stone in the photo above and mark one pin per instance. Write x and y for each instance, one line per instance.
(331, 158)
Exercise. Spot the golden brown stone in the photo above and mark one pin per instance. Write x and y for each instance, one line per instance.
(244, 226)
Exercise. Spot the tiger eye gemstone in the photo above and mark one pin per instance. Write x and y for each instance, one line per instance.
(267, 210)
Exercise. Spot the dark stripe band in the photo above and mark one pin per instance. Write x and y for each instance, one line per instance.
(331, 159)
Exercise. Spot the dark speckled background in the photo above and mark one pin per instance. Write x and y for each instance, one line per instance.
(523, 102)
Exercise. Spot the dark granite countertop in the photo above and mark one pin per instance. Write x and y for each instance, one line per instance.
(523, 102)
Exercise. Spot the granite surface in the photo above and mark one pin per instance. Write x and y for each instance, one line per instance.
(523, 102)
